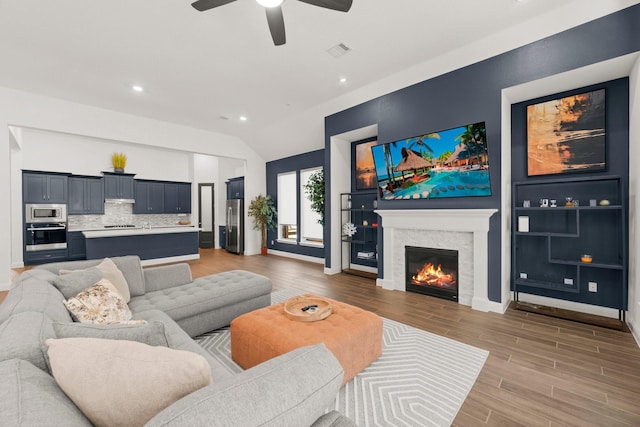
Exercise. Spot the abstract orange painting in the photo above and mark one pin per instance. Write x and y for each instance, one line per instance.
(365, 169)
(567, 134)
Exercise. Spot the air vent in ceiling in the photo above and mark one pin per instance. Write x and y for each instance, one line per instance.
(338, 50)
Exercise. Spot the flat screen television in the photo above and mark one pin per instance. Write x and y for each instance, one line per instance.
(449, 163)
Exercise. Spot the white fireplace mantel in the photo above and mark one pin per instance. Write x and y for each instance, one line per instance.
(474, 221)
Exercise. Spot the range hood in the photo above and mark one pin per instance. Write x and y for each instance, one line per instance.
(120, 201)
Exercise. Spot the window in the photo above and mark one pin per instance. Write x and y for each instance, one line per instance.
(311, 232)
(287, 207)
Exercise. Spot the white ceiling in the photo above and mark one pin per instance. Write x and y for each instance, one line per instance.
(197, 67)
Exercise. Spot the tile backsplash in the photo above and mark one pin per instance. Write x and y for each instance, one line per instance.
(119, 214)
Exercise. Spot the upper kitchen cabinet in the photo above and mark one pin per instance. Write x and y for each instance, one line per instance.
(118, 185)
(235, 188)
(177, 197)
(44, 187)
(149, 196)
(86, 195)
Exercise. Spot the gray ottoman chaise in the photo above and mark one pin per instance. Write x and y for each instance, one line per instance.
(295, 389)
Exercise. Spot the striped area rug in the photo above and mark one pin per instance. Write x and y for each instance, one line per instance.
(421, 379)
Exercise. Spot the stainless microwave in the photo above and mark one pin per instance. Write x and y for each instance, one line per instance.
(49, 212)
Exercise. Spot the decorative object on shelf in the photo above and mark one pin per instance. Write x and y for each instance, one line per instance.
(586, 258)
(365, 222)
(569, 202)
(544, 203)
(314, 188)
(526, 204)
(375, 224)
(604, 202)
(554, 203)
(566, 135)
(118, 161)
(263, 211)
(362, 206)
(307, 309)
(523, 224)
(375, 203)
(576, 203)
(349, 229)
(593, 202)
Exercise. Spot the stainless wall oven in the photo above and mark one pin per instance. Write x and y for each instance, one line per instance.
(45, 227)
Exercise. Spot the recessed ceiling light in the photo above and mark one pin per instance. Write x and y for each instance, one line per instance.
(343, 79)
(243, 118)
(137, 88)
(270, 3)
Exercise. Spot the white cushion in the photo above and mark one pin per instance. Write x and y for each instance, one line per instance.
(124, 383)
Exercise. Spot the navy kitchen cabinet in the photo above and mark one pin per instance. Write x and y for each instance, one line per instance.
(86, 195)
(118, 185)
(149, 196)
(235, 188)
(177, 197)
(76, 245)
(44, 187)
(42, 257)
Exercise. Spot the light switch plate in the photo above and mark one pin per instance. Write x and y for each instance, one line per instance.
(593, 286)
(568, 281)
(523, 275)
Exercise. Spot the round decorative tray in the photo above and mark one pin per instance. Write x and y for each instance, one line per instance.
(307, 309)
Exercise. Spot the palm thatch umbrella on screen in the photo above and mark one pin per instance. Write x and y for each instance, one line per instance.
(412, 161)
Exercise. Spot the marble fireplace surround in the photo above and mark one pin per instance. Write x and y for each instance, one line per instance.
(464, 230)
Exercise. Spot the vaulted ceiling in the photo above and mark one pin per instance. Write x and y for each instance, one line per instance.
(207, 69)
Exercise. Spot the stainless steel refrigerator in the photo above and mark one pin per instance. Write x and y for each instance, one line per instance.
(235, 226)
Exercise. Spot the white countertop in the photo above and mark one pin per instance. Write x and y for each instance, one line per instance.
(119, 232)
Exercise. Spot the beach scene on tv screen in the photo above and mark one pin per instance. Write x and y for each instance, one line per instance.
(450, 163)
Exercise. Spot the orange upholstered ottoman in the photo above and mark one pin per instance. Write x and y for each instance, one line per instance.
(353, 335)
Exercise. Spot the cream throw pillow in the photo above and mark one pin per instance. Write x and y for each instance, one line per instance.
(124, 383)
(112, 273)
(100, 303)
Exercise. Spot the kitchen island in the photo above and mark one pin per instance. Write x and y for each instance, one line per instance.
(153, 245)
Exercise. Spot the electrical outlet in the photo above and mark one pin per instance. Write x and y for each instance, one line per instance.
(272, 242)
(593, 287)
(523, 275)
(568, 281)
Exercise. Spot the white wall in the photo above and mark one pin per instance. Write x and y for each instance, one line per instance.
(28, 111)
(634, 201)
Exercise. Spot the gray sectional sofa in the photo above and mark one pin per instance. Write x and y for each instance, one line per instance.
(292, 390)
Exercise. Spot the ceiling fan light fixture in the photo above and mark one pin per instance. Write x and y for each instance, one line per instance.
(270, 3)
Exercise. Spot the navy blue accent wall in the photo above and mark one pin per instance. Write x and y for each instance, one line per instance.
(297, 163)
(473, 94)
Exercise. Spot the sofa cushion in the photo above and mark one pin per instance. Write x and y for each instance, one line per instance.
(110, 272)
(275, 400)
(150, 333)
(34, 292)
(22, 336)
(180, 340)
(30, 397)
(204, 294)
(100, 303)
(74, 282)
(129, 266)
(124, 383)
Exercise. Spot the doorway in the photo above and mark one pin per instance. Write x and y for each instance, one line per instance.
(206, 215)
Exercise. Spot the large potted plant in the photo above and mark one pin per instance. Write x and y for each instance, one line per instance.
(314, 188)
(263, 211)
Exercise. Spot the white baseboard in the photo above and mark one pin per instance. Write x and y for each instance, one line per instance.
(568, 305)
(296, 256)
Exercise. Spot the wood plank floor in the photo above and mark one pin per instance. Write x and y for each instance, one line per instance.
(541, 371)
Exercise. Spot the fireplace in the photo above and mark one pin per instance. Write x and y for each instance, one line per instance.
(432, 271)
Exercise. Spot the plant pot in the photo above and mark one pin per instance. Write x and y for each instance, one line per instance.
(118, 170)
(263, 251)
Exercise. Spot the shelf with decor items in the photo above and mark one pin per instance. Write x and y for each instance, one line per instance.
(359, 247)
(569, 240)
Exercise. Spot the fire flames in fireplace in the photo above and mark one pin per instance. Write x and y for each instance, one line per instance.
(430, 275)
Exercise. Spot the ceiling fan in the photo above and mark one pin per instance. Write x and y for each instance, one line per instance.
(274, 12)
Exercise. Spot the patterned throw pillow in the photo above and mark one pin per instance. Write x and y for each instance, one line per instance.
(111, 272)
(101, 303)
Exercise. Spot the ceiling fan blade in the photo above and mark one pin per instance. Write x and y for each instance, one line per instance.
(276, 25)
(202, 5)
(339, 5)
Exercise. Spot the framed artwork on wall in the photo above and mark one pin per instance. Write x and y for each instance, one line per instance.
(567, 135)
(365, 171)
